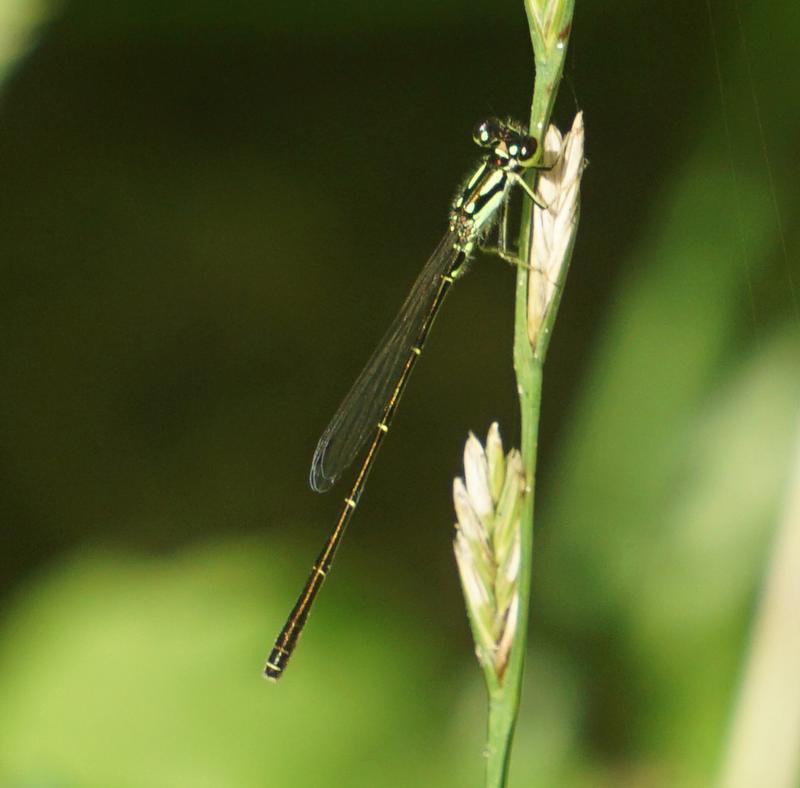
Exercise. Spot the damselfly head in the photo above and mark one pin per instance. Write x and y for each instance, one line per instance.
(508, 142)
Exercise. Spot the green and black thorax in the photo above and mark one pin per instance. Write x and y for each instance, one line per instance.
(510, 152)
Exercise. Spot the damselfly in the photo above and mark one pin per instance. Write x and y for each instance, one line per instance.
(369, 407)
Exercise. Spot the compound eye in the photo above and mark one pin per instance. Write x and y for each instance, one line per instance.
(527, 151)
(486, 133)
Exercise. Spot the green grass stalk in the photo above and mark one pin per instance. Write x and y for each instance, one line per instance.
(549, 23)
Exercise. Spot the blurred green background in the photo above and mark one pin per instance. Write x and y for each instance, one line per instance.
(209, 214)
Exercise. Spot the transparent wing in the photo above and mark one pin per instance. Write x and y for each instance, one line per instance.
(359, 414)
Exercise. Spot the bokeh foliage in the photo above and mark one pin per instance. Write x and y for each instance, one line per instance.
(208, 218)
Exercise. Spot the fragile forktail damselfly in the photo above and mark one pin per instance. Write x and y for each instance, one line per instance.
(370, 405)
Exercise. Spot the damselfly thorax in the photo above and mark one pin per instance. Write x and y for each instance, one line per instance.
(476, 209)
